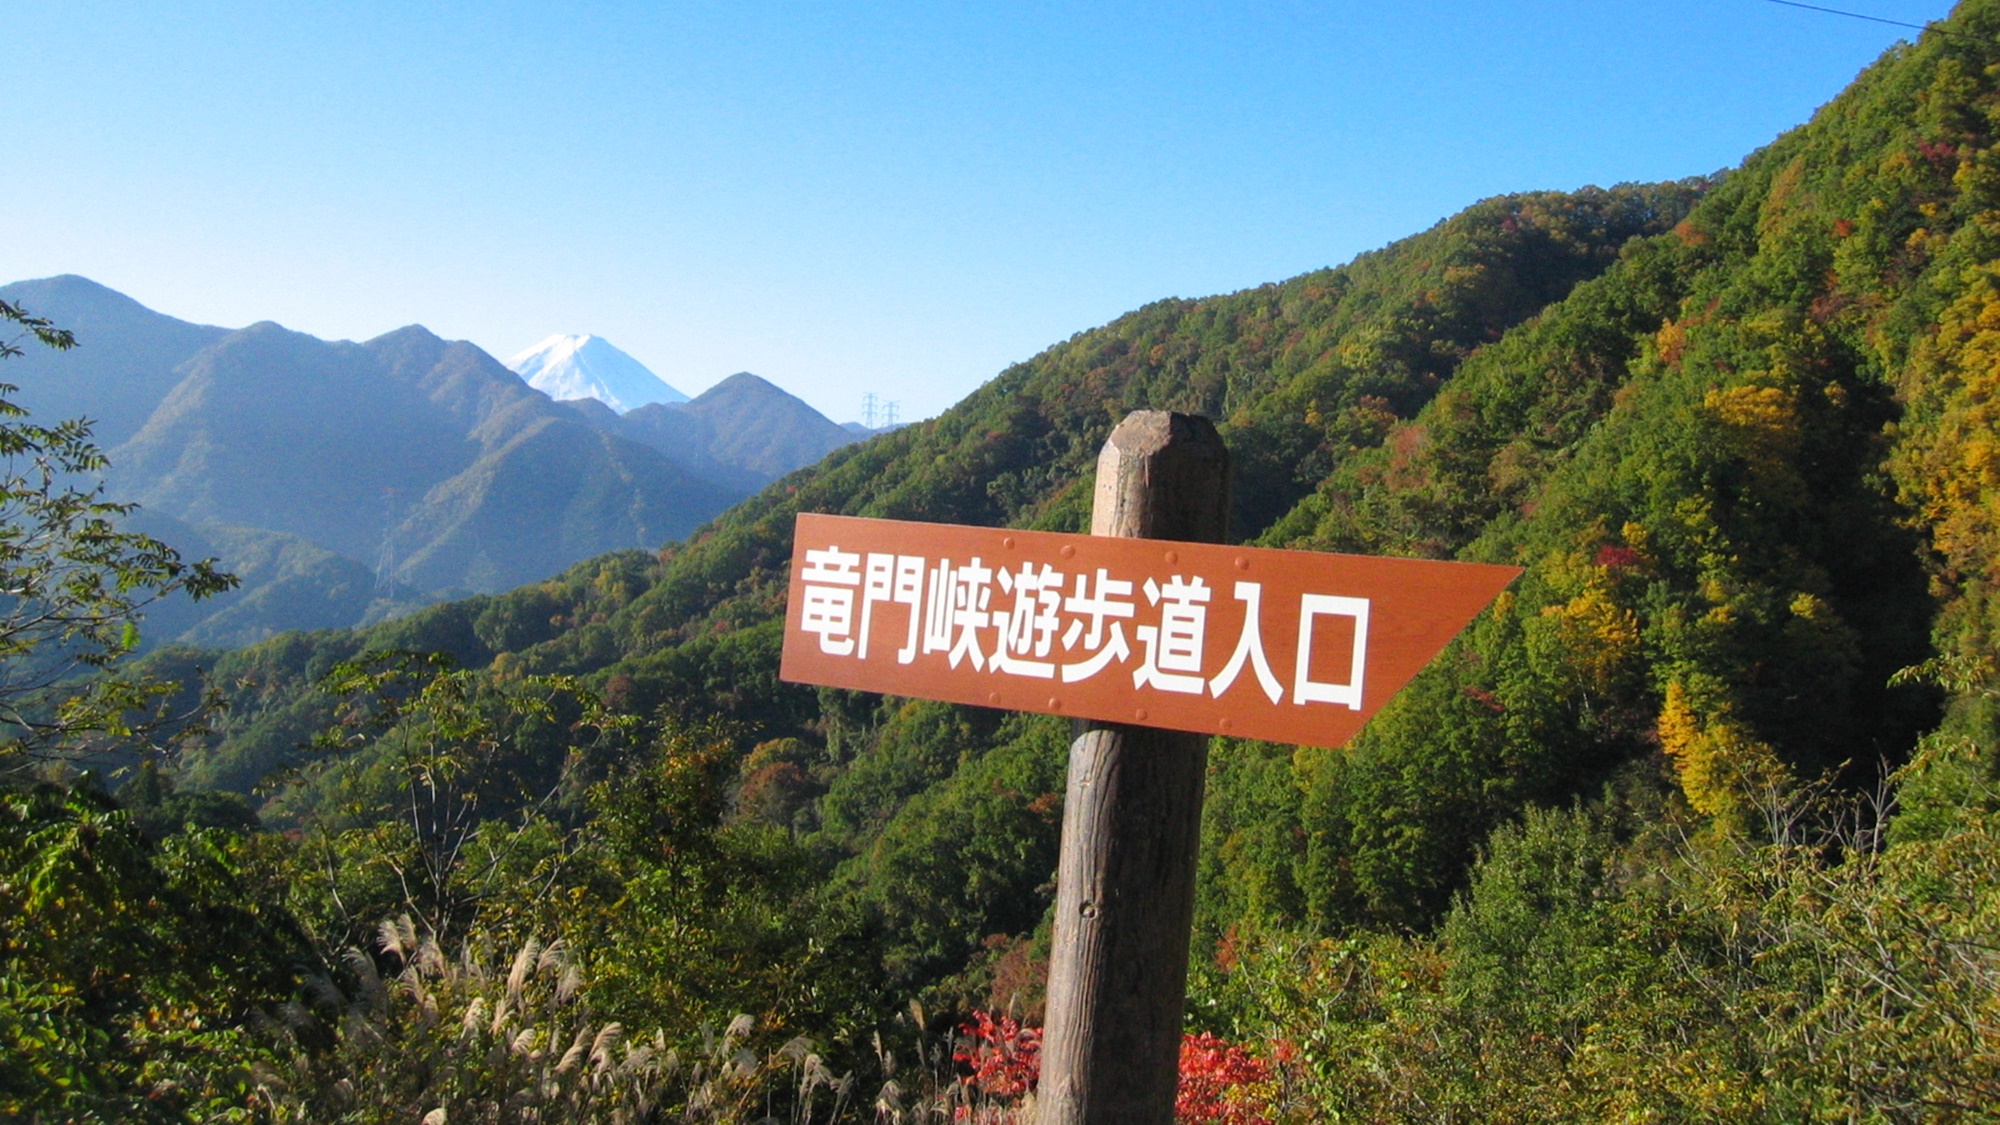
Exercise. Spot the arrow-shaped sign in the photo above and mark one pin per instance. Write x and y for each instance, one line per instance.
(1289, 646)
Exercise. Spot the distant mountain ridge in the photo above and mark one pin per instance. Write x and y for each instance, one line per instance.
(744, 430)
(348, 480)
(578, 367)
(127, 348)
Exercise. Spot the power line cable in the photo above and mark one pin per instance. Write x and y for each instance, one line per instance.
(1932, 26)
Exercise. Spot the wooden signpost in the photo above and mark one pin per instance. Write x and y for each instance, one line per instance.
(1156, 635)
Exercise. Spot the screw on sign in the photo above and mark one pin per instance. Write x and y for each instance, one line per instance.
(1291, 646)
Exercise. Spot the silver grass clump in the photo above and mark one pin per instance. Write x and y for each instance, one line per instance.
(459, 1041)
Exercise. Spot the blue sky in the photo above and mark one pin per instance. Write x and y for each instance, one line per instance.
(844, 198)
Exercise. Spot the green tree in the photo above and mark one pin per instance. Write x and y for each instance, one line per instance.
(72, 588)
(435, 796)
(128, 966)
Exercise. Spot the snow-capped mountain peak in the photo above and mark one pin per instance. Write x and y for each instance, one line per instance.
(569, 366)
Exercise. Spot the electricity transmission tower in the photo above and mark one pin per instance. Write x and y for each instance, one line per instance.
(385, 558)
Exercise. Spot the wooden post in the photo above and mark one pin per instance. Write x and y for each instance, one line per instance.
(1131, 826)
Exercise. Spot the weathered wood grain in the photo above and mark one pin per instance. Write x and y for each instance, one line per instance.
(1131, 826)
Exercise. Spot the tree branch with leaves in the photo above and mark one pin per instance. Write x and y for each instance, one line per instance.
(73, 588)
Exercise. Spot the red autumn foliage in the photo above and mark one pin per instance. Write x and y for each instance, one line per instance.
(1485, 699)
(1943, 155)
(1005, 1058)
(1226, 955)
(1217, 1077)
(1617, 558)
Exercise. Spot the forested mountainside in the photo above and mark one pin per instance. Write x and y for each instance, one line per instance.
(1305, 372)
(1699, 822)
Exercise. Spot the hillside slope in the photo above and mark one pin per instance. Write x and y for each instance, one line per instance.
(1737, 435)
(1699, 822)
(407, 448)
(1303, 373)
(124, 367)
(744, 430)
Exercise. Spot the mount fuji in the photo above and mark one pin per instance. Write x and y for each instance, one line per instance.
(573, 367)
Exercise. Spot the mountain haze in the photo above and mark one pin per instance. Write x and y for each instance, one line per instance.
(285, 578)
(407, 443)
(124, 367)
(744, 430)
(420, 464)
(278, 429)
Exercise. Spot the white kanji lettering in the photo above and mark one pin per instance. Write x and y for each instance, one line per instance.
(1175, 644)
(907, 589)
(832, 565)
(830, 577)
(1249, 647)
(1030, 627)
(895, 579)
(971, 595)
(937, 608)
(1304, 688)
(876, 584)
(1105, 645)
(1183, 621)
(829, 611)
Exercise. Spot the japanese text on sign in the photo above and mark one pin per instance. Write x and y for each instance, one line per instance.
(1277, 644)
(1008, 622)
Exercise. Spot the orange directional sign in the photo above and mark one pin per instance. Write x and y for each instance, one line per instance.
(1290, 646)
